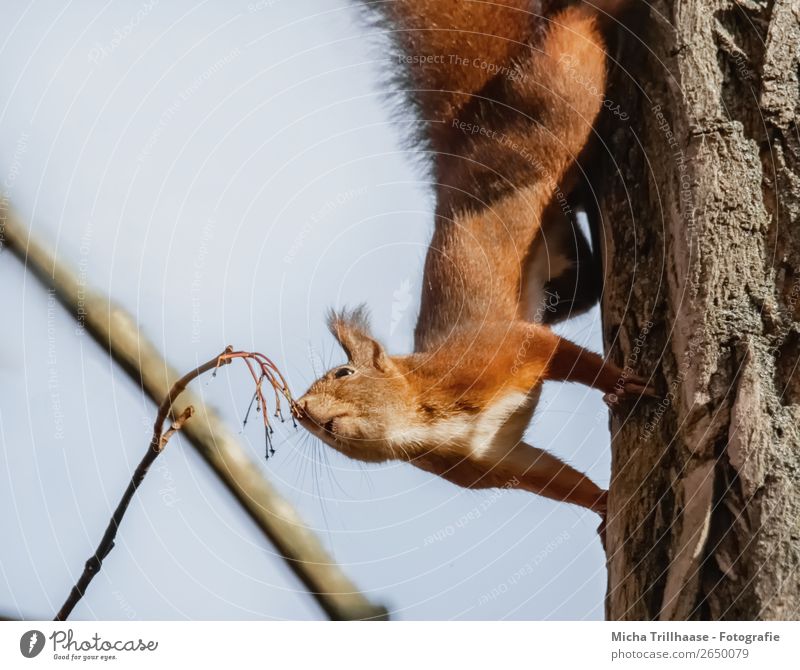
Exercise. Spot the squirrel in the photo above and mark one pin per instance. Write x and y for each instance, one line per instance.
(509, 99)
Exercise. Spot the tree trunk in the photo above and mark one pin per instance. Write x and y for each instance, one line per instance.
(700, 213)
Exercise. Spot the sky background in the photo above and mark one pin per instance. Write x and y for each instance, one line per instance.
(227, 172)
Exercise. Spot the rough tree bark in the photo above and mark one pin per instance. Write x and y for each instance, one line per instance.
(701, 208)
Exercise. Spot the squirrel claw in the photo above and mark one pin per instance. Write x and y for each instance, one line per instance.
(632, 387)
(601, 531)
(601, 507)
(638, 386)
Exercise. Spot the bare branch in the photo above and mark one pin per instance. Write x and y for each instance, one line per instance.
(157, 444)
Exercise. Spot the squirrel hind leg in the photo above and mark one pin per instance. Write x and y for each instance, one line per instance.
(563, 277)
(541, 472)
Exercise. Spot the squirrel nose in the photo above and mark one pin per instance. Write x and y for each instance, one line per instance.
(306, 405)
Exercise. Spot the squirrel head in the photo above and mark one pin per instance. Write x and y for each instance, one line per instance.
(356, 407)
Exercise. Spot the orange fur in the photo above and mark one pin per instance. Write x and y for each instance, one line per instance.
(481, 242)
(442, 38)
(458, 406)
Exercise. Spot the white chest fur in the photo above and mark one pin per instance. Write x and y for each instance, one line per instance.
(498, 426)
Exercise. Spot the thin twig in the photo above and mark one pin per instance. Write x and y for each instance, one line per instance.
(158, 442)
(93, 565)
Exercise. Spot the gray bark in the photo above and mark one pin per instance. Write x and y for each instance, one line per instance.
(700, 210)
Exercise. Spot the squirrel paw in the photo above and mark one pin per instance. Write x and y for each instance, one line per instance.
(601, 531)
(635, 385)
(632, 386)
(601, 507)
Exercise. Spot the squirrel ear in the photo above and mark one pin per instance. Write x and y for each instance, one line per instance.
(351, 329)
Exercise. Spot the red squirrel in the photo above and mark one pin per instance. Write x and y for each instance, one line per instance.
(509, 98)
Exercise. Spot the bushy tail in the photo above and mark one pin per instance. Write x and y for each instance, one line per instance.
(530, 126)
(504, 69)
(449, 49)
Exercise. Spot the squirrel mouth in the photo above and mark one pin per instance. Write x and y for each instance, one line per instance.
(318, 424)
(329, 425)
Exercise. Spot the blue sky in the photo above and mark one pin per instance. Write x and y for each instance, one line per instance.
(227, 171)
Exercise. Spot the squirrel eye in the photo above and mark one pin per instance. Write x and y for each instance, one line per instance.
(343, 372)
